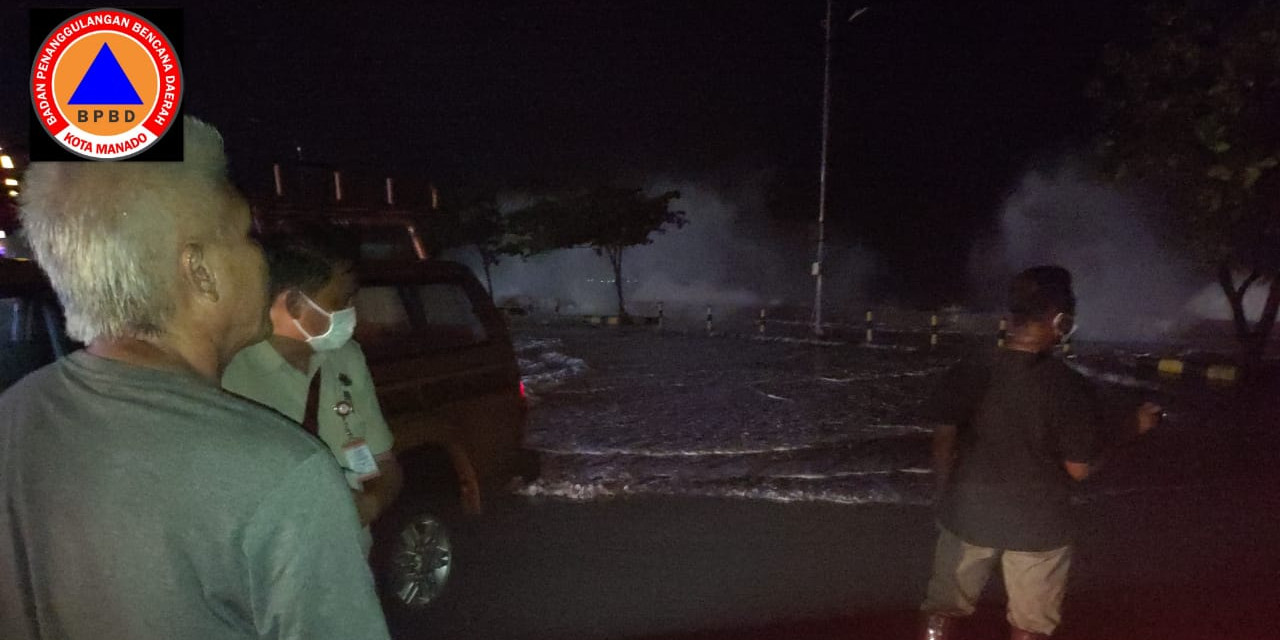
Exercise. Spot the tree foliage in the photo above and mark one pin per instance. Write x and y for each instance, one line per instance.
(473, 221)
(606, 219)
(1191, 109)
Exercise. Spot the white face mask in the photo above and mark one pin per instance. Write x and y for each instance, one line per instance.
(342, 324)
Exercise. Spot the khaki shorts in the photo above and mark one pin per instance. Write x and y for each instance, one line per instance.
(1036, 581)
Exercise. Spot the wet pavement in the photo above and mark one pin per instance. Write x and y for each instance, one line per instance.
(683, 499)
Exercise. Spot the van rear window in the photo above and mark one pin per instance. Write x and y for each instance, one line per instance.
(380, 311)
(437, 315)
(388, 243)
(450, 314)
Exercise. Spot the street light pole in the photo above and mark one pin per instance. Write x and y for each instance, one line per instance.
(817, 269)
(822, 175)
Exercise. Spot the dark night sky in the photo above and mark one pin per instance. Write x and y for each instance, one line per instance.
(939, 106)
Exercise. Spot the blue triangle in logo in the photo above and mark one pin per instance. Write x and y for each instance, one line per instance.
(105, 82)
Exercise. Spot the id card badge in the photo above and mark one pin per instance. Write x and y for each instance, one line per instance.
(360, 460)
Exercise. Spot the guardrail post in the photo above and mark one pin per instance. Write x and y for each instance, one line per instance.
(1002, 335)
(933, 332)
(761, 322)
(709, 320)
(871, 335)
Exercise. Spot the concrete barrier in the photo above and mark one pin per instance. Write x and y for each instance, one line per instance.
(1221, 373)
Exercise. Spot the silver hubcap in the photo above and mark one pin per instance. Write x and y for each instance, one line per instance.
(423, 560)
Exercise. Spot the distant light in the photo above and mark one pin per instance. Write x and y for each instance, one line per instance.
(6, 162)
(10, 182)
(13, 193)
(2, 235)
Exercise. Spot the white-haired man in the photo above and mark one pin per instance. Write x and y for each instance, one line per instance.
(138, 500)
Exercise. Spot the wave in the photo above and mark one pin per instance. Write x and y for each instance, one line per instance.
(893, 487)
(646, 452)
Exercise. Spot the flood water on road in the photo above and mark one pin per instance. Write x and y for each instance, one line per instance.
(637, 411)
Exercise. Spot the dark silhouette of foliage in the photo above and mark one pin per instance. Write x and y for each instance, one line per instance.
(606, 219)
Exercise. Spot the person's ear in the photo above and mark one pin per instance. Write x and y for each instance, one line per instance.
(281, 301)
(197, 273)
(1064, 324)
(292, 299)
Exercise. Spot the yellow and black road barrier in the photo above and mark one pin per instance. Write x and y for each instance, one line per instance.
(1178, 368)
(619, 321)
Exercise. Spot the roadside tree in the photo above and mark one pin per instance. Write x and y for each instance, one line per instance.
(1190, 110)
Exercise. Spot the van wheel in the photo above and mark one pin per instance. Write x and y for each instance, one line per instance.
(415, 557)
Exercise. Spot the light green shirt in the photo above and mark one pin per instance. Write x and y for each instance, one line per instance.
(261, 374)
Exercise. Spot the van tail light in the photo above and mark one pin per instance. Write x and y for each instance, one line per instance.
(523, 393)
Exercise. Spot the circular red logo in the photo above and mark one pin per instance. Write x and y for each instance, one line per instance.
(106, 84)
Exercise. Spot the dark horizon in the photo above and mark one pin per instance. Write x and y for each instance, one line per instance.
(938, 110)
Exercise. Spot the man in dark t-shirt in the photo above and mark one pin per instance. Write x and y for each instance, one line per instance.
(1016, 428)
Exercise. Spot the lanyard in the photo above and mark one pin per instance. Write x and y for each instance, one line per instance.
(344, 409)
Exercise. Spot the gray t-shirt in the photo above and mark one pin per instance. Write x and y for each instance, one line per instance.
(140, 504)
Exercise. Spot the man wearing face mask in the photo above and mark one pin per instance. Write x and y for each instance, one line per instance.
(310, 369)
(1015, 429)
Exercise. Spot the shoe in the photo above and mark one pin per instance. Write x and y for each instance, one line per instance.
(938, 627)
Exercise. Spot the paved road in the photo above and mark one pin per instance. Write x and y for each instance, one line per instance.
(1199, 564)
(646, 566)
